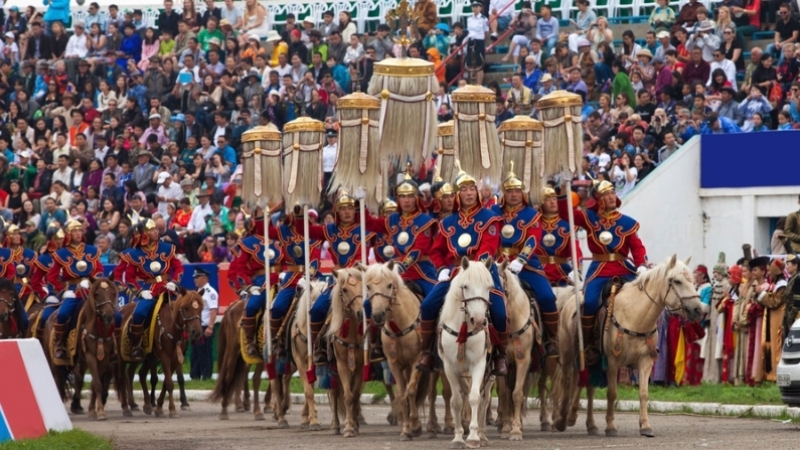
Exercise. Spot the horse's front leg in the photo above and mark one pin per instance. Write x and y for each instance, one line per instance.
(477, 407)
(181, 385)
(447, 396)
(458, 404)
(591, 427)
(143, 371)
(402, 395)
(257, 413)
(129, 373)
(350, 411)
(278, 393)
(645, 368)
(412, 388)
(78, 373)
(611, 396)
(433, 421)
(518, 397)
(96, 407)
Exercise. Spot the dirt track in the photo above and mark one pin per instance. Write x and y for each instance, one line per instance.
(199, 429)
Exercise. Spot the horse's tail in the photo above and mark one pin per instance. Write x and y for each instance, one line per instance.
(423, 386)
(231, 365)
(563, 391)
(118, 374)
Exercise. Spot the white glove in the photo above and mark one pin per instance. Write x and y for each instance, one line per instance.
(326, 245)
(444, 275)
(172, 287)
(301, 283)
(640, 270)
(254, 290)
(45, 289)
(84, 284)
(53, 300)
(361, 193)
(281, 276)
(69, 294)
(147, 295)
(515, 266)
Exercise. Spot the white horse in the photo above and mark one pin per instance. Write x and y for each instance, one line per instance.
(467, 302)
(629, 338)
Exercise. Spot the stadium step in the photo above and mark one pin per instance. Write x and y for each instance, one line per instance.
(763, 35)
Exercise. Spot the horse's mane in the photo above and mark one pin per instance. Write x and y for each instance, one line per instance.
(476, 272)
(184, 300)
(302, 308)
(97, 285)
(662, 272)
(337, 304)
(513, 287)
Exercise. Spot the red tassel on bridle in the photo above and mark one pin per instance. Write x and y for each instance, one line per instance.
(345, 330)
(493, 336)
(395, 329)
(462, 333)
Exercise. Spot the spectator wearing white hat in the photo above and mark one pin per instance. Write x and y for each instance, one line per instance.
(168, 192)
(663, 39)
(155, 128)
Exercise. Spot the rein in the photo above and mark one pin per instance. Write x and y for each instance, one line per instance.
(455, 333)
(180, 329)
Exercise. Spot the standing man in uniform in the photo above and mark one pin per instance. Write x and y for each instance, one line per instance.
(519, 239)
(477, 31)
(473, 232)
(202, 359)
(616, 250)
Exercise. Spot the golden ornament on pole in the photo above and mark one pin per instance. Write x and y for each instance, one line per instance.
(261, 166)
(445, 152)
(303, 140)
(359, 163)
(405, 87)
(476, 144)
(521, 143)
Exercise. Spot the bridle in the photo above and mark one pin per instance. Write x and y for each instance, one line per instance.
(10, 304)
(11, 309)
(466, 300)
(390, 298)
(670, 287)
(185, 320)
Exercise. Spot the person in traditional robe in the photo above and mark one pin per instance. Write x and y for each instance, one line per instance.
(772, 300)
(792, 293)
(727, 304)
(755, 314)
(712, 351)
(741, 323)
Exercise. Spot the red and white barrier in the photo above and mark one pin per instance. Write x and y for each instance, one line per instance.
(29, 402)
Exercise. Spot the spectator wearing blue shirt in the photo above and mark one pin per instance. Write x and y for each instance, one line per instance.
(227, 152)
(547, 28)
(137, 90)
(51, 214)
(531, 74)
(58, 10)
(502, 113)
(714, 124)
(784, 121)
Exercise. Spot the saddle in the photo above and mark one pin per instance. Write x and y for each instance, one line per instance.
(614, 285)
(71, 345)
(528, 291)
(414, 287)
(148, 333)
(259, 341)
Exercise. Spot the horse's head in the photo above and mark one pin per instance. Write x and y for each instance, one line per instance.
(186, 313)
(470, 289)
(382, 286)
(8, 299)
(679, 293)
(347, 298)
(104, 295)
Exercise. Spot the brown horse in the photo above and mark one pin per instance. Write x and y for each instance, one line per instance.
(10, 311)
(174, 318)
(95, 349)
(232, 369)
(347, 311)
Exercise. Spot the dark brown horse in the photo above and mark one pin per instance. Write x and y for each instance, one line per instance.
(233, 370)
(10, 311)
(174, 318)
(96, 350)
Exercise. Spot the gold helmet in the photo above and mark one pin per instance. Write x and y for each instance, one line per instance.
(344, 199)
(547, 192)
(408, 186)
(148, 225)
(388, 206)
(12, 229)
(73, 225)
(463, 178)
(512, 181)
(602, 187)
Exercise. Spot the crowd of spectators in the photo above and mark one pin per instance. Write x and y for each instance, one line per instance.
(117, 120)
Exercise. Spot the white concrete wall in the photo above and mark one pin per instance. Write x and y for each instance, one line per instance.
(677, 216)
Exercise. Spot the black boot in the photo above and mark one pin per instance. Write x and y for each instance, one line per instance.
(249, 328)
(278, 347)
(59, 330)
(320, 349)
(550, 322)
(427, 330)
(590, 351)
(136, 342)
(500, 362)
(376, 352)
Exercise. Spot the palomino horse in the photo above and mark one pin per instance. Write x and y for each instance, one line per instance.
(396, 310)
(630, 337)
(347, 312)
(96, 349)
(10, 311)
(232, 369)
(467, 304)
(299, 344)
(526, 333)
(174, 318)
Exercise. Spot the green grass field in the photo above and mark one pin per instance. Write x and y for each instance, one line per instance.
(68, 440)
